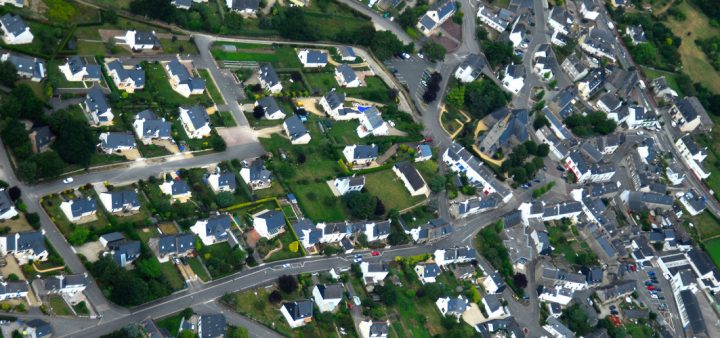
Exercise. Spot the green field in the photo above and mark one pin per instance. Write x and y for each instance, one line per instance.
(197, 267)
(321, 82)
(211, 88)
(59, 306)
(178, 46)
(171, 324)
(280, 57)
(172, 275)
(158, 89)
(713, 249)
(391, 190)
(652, 74)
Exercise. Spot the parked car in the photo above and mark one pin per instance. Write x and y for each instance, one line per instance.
(68, 180)
(375, 253)
(356, 300)
(650, 287)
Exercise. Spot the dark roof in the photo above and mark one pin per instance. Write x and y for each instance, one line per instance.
(153, 126)
(80, 206)
(184, 77)
(690, 108)
(179, 187)
(242, 5)
(258, 171)
(269, 104)
(198, 116)
(112, 237)
(316, 56)
(28, 65)
(702, 261)
(43, 136)
(411, 175)
(170, 244)
(115, 140)
(378, 329)
(136, 74)
(346, 51)
(96, 101)
(146, 38)
(42, 328)
(267, 74)
(218, 226)
(330, 291)
(362, 151)
(14, 24)
(299, 309)
(347, 72)
(121, 198)
(124, 250)
(274, 220)
(694, 314)
(374, 117)
(295, 127)
(212, 325)
(26, 240)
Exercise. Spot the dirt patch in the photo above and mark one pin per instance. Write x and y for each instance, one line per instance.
(90, 250)
(11, 267)
(237, 135)
(269, 131)
(310, 104)
(131, 154)
(167, 144)
(168, 228)
(17, 225)
(449, 44)
(252, 238)
(452, 29)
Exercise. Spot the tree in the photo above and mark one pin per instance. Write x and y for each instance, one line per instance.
(361, 204)
(13, 277)
(576, 319)
(75, 142)
(520, 280)
(233, 21)
(156, 9)
(644, 53)
(14, 193)
(436, 183)
(294, 246)
(48, 164)
(186, 334)
(385, 44)
(483, 97)
(149, 268)
(109, 16)
(497, 53)
(187, 313)
(434, 51)
(543, 150)
(79, 236)
(540, 121)
(275, 297)
(388, 294)
(456, 97)
(379, 207)
(291, 24)
(481, 34)
(258, 112)
(288, 284)
(8, 74)
(224, 199)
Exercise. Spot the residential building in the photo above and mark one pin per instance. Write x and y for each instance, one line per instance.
(41, 138)
(636, 34)
(37, 328)
(307, 232)
(297, 313)
(692, 155)
(16, 3)
(346, 76)
(591, 83)
(97, 107)
(177, 189)
(556, 294)
(120, 201)
(411, 178)
(559, 39)
(176, 245)
(77, 69)
(693, 202)
(493, 19)
(574, 68)
(182, 81)
(494, 283)
(13, 289)
(269, 79)
(244, 7)
(213, 230)
(589, 9)
(125, 78)
(374, 273)
(182, 4)
(689, 114)
(223, 181)
(372, 123)
(313, 58)
(296, 131)
(616, 291)
(458, 255)
(140, 40)
(345, 185)
(327, 296)
(642, 201)
(471, 68)
(557, 329)
(27, 67)
(374, 329)
(78, 208)
(122, 251)
(375, 230)
(360, 155)
(514, 78)
(14, 29)
(149, 127)
(459, 160)
(449, 306)
(332, 104)
(346, 53)
(256, 176)
(211, 326)
(196, 121)
(112, 142)
(599, 43)
(25, 246)
(427, 272)
(435, 16)
(560, 20)
(64, 284)
(433, 230)
(691, 316)
(569, 280)
(662, 90)
(423, 152)
(493, 307)
(269, 223)
(271, 107)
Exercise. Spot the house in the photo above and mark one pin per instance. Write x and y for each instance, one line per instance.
(182, 4)
(616, 291)
(16, 3)
(182, 81)
(541, 241)
(271, 107)
(121, 250)
(459, 160)
(675, 173)
(444, 257)
(332, 104)
(97, 107)
(599, 43)
(78, 208)
(412, 179)
(269, 223)
(593, 275)
(560, 20)
(307, 232)
(312, 58)
(375, 231)
(636, 34)
(13, 289)
(519, 247)
(296, 131)
(14, 29)
(346, 53)
(514, 78)
(436, 16)
(346, 76)
(692, 155)
(494, 19)
(449, 306)
(178, 189)
(509, 128)
(423, 152)
(374, 272)
(64, 284)
(662, 89)
(473, 206)
(494, 283)
(224, 181)
(559, 39)
(689, 114)
(544, 67)
(493, 307)
(25, 246)
(589, 9)
(374, 329)
(256, 175)
(470, 69)
(269, 79)
(556, 295)
(345, 185)
(433, 230)
(120, 201)
(124, 78)
(691, 316)
(569, 280)
(574, 68)
(297, 313)
(518, 32)
(38, 328)
(149, 127)
(211, 326)
(591, 83)
(77, 69)
(427, 272)
(177, 245)
(327, 296)
(140, 40)
(41, 138)
(557, 329)
(245, 7)
(640, 201)
(372, 123)
(196, 121)
(362, 155)
(608, 103)
(27, 67)
(213, 230)
(112, 142)
(693, 202)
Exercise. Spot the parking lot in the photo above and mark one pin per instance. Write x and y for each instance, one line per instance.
(657, 296)
(411, 73)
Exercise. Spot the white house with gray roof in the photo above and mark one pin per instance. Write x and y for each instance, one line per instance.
(213, 230)
(692, 155)
(245, 7)
(372, 123)
(77, 68)
(76, 209)
(256, 175)
(149, 127)
(296, 131)
(689, 114)
(97, 107)
(297, 313)
(177, 189)
(444, 257)
(271, 107)
(460, 160)
(182, 80)
(269, 79)
(346, 185)
(312, 58)
(112, 142)
(374, 273)
(493, 307)
(436, 16)
(599, 43)
(589, 9)
(222, 181)
(16, 3)
(327, 296)
(127, 78)
(62, 284)
(26, 246)
(139, 40)
(196, 121)
(374, 329)
(7, 207)
(346, 76)
(175, 245)
(333, 105)
(26, 66)
(449, 306)
(492, 19)
(14, 289)
(470, 69)
(14, 29)
(269, 223)
(411, 178)
(346, 53)
(560, 19)
(427, 272)
(120, 201)
(359, 154)
(557, 329)
(514, 78)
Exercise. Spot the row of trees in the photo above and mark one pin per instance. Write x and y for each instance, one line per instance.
(595, 123)
(525, 161)
(498, 53)
(479, 98)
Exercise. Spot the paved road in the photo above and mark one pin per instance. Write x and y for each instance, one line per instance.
(379, 22)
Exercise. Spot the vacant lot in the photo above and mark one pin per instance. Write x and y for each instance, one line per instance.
(391, 190)
(280, 57)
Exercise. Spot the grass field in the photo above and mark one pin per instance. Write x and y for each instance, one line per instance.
(695, 63)
(652, 74)
(211, 88)
(52, 206)
(390, 189)
(286, 238)
(713, 155)
(178, 46)
(321, 82)
(59, 307)
(172, 275)
(197, 267)
(171, 324)
(713, 249)
(280, 57)
(158, 88)
(217, 258)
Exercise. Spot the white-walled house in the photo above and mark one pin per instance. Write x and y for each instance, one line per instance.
(411, 178)
(449, 306)
(297, 313)
(213, 230)
(196, 121)
(374, 329)
(78, 69)
(269, 79)
(25, 246)
(346, 76)
(15, 31)
(256, 175)
(296, 131)
(220, 181)
(7, 207)
(269, 223)
(359, 154)
(514, 79)
(440, 12)
(64, 284)
(149, 127)
(26, 66)
(139, 40)
(78, 208)
(177, 189)
(271, 108)
(125, 78)
(372, 123)
(345, 185)
(112, 142)
(120, 201)
(182, 81)
(243, 7)
(327, 296)
(374, 273)
(96, 105)
(312, 58)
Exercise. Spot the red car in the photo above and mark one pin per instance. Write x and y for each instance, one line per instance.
(428, 140)
(375, 253)
(651, 288)
(632, 268)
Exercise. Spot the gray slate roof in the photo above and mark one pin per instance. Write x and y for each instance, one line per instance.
(153, 125)
(43, 136)
(299, 309)
(274, 219)
(80, 206)
(411, 175)
(96, 100)
(295, 127)
(42, 328)
(170, 244)
(136, 74)
(335, 99)
(218, 226)
(28, 65)
(213, 325)
(26, 240)
(115, 140)
(121, 198)
(347, 72)
(268, 75)
(198, 116)
(14, 24)
(331, 291)
(362, 151)
(184, 76)
(77, 64)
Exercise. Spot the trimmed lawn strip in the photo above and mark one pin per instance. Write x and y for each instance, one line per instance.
(171, 324)
(197, 267)
(178, 46)
(211, 88)
(172, 275)
(59, 306)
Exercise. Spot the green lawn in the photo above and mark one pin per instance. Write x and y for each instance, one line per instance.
(171, 324)
(222, 119)
(81, 309)
(321, 82)
(218, 260)
(706, 225)
(375, 90)
(261, 123)
(211, 88)
(390, 189)
(281, 57)
(158, 89)
(652, 74)
(59, 306)
(197, 267)
(151, 150)
(286, 238)
(178, 46)
(172, 275)
(640, 331)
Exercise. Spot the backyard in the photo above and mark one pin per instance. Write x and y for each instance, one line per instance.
(391, 190)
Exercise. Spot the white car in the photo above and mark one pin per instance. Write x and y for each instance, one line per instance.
(68, 180)
(356, 300)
